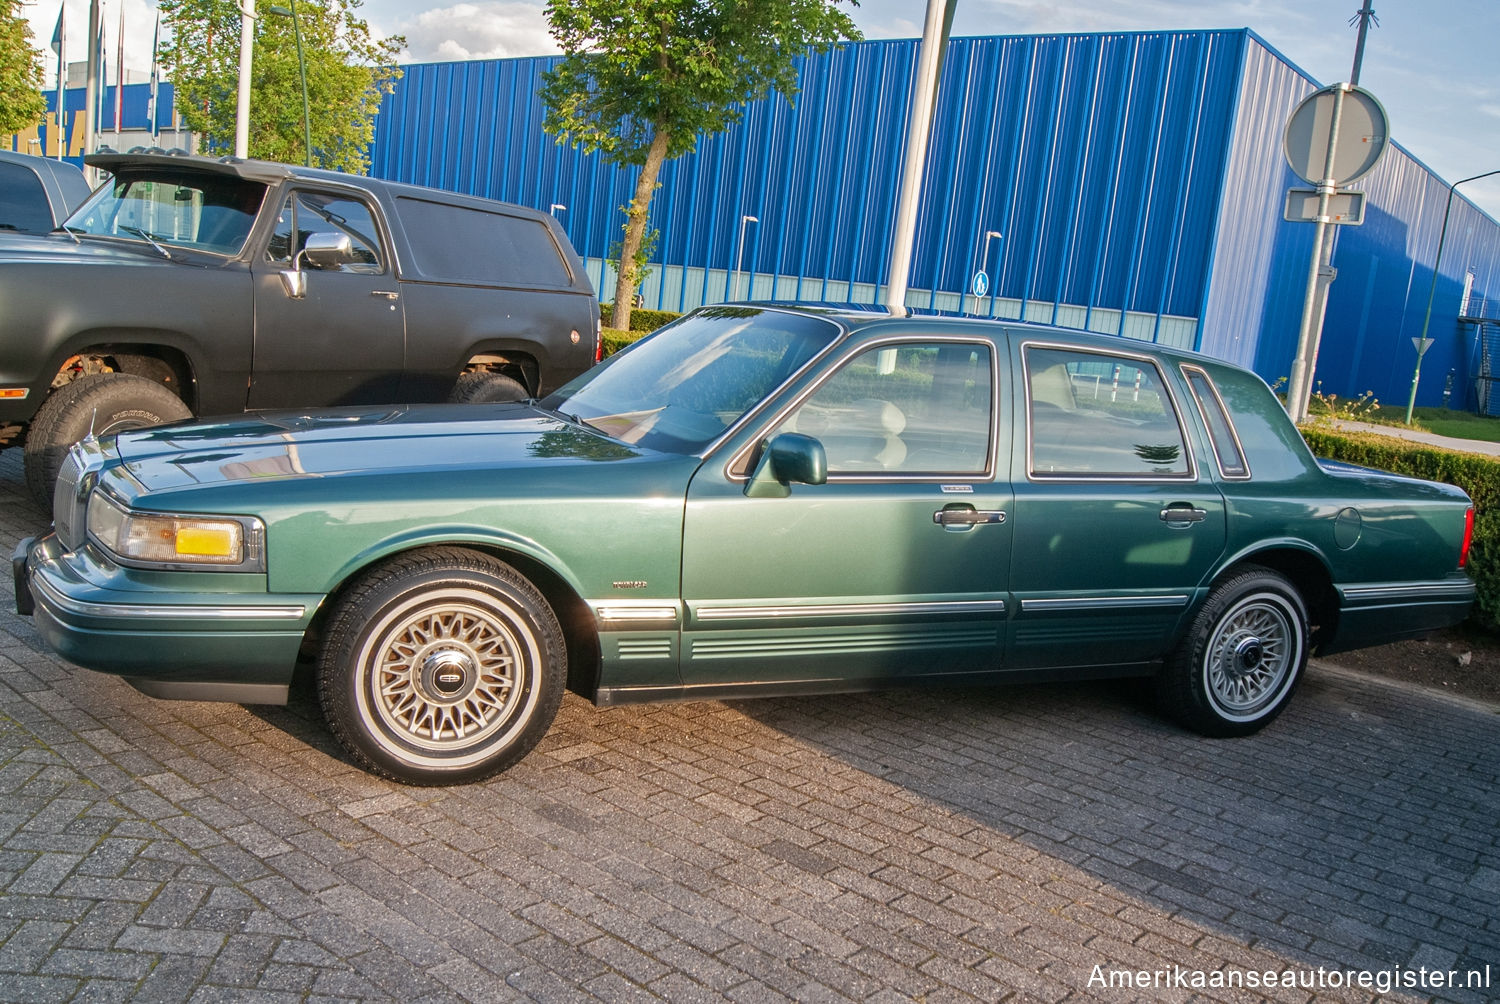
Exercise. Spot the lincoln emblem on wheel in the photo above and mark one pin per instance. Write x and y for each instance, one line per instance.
(804, 500)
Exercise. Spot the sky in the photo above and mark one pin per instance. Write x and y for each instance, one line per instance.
(1431, 63)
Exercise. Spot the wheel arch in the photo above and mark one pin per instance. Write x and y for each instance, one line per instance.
(155, 358)
(514, 361)
(540, 567)
(1307, 571)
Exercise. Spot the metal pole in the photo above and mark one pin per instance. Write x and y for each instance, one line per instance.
(242, 94)
(919, 128)
(302, 72)
(1307, 340)
(990, 235)
(1364, 16)
(1437, 261)
(91, 86)
(739, 256)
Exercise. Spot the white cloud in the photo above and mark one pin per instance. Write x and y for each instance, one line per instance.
(476, 31)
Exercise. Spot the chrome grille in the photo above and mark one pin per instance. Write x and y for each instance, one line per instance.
(70, 498)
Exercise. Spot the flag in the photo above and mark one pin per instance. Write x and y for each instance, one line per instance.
(155, 80)
(62, 82)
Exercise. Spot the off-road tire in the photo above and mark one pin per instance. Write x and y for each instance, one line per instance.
(100, 403)
(484, 387)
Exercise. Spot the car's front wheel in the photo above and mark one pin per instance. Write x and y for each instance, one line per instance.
(441, 667)
(1242, 658)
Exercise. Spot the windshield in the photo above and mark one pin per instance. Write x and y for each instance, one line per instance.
(204, 212)
(677, 390)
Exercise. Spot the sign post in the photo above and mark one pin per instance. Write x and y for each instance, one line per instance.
(1334, 138)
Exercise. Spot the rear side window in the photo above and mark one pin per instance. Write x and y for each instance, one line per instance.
(1099, 415)
(23, 201)
(457, 243)
(1221, 432)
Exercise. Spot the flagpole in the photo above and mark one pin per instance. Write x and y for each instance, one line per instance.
(119, 75)
(60, 48)
(90, 83)
(155, 74)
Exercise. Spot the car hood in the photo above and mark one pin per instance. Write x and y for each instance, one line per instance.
(16, 246)
(388, 440)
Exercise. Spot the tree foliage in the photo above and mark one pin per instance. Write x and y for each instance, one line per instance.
(641, 80)
(21, 102)
(347, 72)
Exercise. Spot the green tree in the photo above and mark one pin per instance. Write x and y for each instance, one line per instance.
(21, 103)
(347, 72)
(641, 80)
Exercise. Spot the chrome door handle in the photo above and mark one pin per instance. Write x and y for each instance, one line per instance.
(388, 294)
(1183, 514)
(968, 517)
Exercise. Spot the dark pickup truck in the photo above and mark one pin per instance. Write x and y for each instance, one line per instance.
(192, 286)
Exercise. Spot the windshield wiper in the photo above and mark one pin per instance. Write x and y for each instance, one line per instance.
(148, 239)
(70, 232)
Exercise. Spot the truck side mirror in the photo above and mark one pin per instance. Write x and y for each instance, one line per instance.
(788, 458)
(322, 250)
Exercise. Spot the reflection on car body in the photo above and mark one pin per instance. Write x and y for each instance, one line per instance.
(754, 499)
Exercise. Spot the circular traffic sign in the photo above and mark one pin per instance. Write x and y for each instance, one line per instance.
(981, 283)
(1364, 132)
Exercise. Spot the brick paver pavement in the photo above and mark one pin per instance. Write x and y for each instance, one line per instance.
(932, 846)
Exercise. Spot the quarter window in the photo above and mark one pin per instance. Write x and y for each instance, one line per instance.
(1221, 432)
(917, 408)
(1096, 415)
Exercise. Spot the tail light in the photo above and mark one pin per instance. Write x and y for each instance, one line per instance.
(598, 342)
(1463, 553)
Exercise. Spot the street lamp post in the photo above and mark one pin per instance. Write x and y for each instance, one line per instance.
(555, 207)
(984, 266)
(301, 73)
(1437, 261)
(739, 255)
(242, 90)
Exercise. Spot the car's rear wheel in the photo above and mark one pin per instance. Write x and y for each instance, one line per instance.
(100, 403)
(484, 387)
(441, 667)
(1242, 658)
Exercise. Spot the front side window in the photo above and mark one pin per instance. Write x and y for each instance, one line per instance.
(917, 408)
(198, 211)
(306, 213)
(1098, 415)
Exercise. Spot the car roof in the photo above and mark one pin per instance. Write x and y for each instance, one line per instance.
(854, 316)
(270, 172)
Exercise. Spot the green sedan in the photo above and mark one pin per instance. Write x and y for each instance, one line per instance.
(752, 500)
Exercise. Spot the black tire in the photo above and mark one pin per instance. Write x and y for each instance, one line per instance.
(101, 403)
(483, 387)
(441, 667)
(1242, 658)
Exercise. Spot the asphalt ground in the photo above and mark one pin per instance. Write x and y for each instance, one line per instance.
(1025, 843)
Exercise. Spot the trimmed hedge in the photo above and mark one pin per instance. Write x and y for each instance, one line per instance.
(641, 319)
(1475, 474)
(614, 339)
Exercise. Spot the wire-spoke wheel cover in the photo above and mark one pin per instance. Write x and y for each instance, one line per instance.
(445, 676)
(1252, 655)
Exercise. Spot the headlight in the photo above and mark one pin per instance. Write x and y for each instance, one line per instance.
(174, 540)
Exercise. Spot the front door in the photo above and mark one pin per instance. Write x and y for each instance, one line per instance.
(895, 568)
(344, 342)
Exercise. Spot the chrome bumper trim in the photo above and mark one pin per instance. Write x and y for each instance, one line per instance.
(1442, 589)
(85, 608)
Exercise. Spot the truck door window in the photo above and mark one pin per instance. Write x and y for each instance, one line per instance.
(307, 213)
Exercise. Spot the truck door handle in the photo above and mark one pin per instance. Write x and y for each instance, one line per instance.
(388, 294)
(1183, 514)
(967, 516)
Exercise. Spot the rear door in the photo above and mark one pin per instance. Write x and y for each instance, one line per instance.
(896, 567)
(344, 342)
(1117, 525)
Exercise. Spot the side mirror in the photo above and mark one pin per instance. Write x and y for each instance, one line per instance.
(788, 458)
(322, 250)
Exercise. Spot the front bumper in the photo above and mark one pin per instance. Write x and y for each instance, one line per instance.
(164, 631)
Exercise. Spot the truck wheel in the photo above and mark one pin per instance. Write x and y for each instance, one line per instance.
(1239, 662)
(101, 403)
(441, 667)
(483, 387)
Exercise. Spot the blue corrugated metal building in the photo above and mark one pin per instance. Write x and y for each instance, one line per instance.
(1136, 182)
